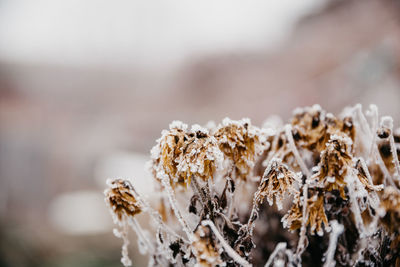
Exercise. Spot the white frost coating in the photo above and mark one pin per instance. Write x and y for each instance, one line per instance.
(337, 230)
(230, 251)
(343, 139)
(373, 113)
(280, 247)
(178, 125)
(227, 121)
(125, 260)
(197, 128)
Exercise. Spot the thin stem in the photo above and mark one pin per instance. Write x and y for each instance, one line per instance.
(289, 135)
(337, 229)
(155, 215)
(251, 223)
(205, 197)
(140, 233)
(278, 248)
(300, 245)
(376, 200)
(228, 249)
(365, 126)
(172, 200)
(351, 181)
(375, 119)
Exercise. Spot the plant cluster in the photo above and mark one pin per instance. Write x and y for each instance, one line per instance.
(320, 190)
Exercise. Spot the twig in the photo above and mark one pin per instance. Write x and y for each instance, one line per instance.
(228, 249)
(337, 229)
(278, 248)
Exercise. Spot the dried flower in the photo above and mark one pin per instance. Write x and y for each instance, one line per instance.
(241, 142)
(316, 214)
(182, 154)
(315, 211)
(293, 218)
(335, 162)
(313, 128)
(278, 181)
(121, 200)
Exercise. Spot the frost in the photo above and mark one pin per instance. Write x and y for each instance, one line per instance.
(178, 125)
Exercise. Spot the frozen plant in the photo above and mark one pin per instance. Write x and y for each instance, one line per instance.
(322, 190)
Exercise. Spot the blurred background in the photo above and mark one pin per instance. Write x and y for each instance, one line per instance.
(87, 86)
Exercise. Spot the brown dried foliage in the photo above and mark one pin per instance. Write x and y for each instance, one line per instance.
(120, 198)
(277, 181)
(180, 150)
(238, 143)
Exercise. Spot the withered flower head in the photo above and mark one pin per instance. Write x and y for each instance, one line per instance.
(182, 154)
(390, 202)
(335, 162)
(205, 247)
(241, 142)
(277, 182)
(119, 197)
(312, 127)
(316, 214)
(294, 217)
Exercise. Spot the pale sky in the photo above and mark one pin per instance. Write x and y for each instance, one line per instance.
(141, 33)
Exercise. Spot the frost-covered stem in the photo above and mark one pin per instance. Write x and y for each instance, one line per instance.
(174, 205)
(140, 233)
(376, 201)
(337, 230)
(125, 260)
(289, 135)
(363, 121)
(300, 245)
(364, 124)
(204, 196)
(228, 249)
(278, 248)
(375, 119)
(350, 180)
(251, 223)
(155, 215)
(197, 190)
(382, 166)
